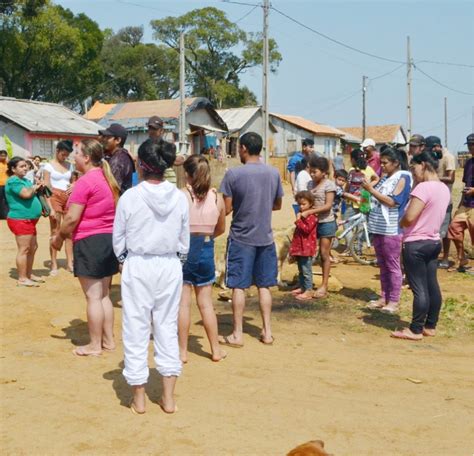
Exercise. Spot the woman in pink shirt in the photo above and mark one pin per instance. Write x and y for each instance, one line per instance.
(90, 219)
(206, 221)
(421, 246)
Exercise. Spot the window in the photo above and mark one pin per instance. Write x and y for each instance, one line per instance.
(43, 147)
(327, 146)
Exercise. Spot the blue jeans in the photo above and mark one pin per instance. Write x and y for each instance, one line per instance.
(305, 268)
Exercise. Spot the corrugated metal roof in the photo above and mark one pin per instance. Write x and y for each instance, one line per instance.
(309, 125)
(237, 118)
(381, 134)
(41, 117)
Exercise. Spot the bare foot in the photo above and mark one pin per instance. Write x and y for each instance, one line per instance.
(138, 403)
(219, 356)
(86, 350)
(306, 296)
(231, 341)
(391, 307)
(108, 345)
(376, 303)
(168, 406)
(297, 291)
(183, 356)
(320, 293)
(406, 334)
(430, 332)
(266, 340)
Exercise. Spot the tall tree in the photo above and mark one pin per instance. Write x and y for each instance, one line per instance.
(136, 71)
(213, 65)
(48, 53)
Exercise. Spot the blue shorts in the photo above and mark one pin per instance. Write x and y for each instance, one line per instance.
(248, 265)
(326, 230)
(199, 269)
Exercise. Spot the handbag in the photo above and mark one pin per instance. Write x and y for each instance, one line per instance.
(43, 194)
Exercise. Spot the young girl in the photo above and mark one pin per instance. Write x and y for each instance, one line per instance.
(206, 221)
(151, 229)
(324, 191)
(303, 246)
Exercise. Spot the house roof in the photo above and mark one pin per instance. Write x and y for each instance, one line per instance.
(381, 134)
(42, 117)
(237, 118)
(309, 125)
(135, 114)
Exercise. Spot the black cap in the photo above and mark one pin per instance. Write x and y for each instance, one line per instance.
(116, 130)
(432, 141)
(307, 142)
(470, 139)
(417, 140)
(155, 122)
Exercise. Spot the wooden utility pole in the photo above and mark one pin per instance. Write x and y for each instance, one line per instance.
(364, 89)
(446, 122)
(409, 63)
(266, 8)
(182, 103)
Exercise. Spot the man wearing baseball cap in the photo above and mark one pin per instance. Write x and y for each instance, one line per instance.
(446, 173)
(416, 145)
(121, 162)
(373, 157)
(464, 216)
(155, 126)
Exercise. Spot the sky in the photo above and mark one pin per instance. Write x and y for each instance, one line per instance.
(321, 80)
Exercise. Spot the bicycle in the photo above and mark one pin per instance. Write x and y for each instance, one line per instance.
(359, 245)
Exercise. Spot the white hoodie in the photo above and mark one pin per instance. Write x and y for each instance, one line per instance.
(152, 219)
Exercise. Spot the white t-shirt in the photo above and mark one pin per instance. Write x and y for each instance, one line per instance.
(59, 180)
(302, 181)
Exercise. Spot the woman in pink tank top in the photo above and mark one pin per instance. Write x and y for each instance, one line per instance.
(207, 221)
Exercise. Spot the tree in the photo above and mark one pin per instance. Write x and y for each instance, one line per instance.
(137, 71)
(48, 53)
(213, 66)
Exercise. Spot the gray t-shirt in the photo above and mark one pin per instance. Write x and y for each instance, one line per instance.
(253, 188)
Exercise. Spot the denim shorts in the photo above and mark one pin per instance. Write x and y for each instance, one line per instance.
(248, 265)
(326, 230)
(199, 269)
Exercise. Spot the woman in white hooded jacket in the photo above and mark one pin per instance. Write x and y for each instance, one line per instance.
(151, 234)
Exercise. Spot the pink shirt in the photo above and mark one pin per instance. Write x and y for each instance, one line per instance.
(436, 197)
(93, 192)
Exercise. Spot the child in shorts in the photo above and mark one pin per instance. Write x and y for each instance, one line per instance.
(303, 246)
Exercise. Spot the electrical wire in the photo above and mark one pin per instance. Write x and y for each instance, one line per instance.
(445, 63)
(246, 14)
(441, 83)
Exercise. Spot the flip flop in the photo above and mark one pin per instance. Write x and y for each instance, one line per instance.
(166, 411)
(224, 356)
(135, 411)
(225, 341)
(53, 272)
(37, 279)
(303, 298)
(319, 295)
(406, 336)
(79, 353)
(266, 343)
(27, 283)
(375, 304)
(429, 334)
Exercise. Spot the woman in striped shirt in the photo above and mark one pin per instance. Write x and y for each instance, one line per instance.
(389, 199)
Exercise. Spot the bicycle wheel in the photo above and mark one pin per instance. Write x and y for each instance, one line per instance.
(360, 251)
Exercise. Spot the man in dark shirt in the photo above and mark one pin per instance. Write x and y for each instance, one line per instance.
(464, 216)
(121, 163)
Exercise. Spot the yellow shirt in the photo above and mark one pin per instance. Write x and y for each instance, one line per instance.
(3, 173)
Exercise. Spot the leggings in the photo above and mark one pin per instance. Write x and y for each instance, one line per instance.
(420, 259)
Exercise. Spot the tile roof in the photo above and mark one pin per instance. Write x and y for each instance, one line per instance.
(309, 125)
(42, 117)
(381, 134)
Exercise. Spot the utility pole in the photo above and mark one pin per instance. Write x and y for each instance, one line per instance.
(409, 63)
(364, 89)
(446, 122)
(266, 8)
(182, 103)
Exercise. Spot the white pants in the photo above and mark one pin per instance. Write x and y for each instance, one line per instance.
(151, 291)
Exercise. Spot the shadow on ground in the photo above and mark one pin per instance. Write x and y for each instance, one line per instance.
(77, 332)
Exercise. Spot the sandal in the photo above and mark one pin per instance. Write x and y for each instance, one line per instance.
(320, 294)
(302, 297)
(376, 304)
(27, 283)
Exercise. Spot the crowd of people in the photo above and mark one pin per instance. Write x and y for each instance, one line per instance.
(161, 238)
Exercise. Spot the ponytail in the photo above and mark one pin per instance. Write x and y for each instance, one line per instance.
(197, 168)
(109, 177)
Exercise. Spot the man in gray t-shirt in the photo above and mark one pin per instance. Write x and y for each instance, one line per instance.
(251, 192)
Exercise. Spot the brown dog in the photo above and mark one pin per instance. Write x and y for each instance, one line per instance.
(311, 448)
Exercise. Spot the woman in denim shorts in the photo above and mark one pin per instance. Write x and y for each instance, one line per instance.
(206, 221)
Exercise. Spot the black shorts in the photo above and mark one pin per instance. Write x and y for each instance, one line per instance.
(95, 257)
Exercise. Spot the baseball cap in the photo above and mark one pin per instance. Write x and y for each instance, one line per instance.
(417, 140)
(470, 139)
(307, 142)
(367, 142)
(116, 130)
(155, 122)
(432, 141)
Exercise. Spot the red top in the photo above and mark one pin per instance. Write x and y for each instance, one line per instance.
(304, 237)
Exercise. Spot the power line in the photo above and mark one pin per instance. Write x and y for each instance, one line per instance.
(241, 3)
(441, 83)
(387, 73)
(446, 63)
(246, 14)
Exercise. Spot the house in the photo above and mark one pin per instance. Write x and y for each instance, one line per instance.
(291, 130)
(285, 132)
(381, 134)
(35, 127)
(202, 120)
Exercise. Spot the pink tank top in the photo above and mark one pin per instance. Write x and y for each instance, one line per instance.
(203, 215)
